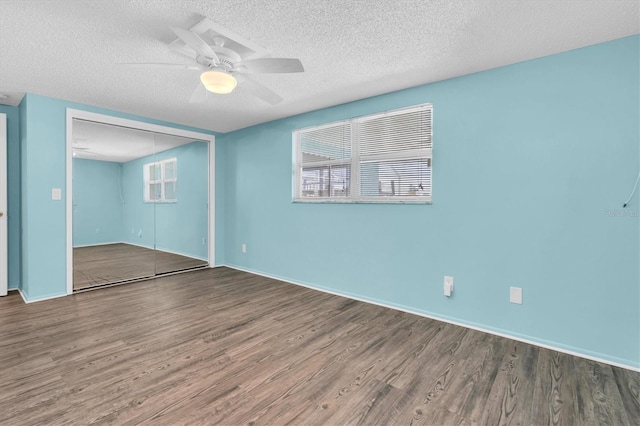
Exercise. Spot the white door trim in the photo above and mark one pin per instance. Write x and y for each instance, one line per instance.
(3, 206)
(108, 119)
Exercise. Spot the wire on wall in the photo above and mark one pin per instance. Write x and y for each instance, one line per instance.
(633, 191)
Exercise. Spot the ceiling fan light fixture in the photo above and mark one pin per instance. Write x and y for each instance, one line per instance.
(218, 82)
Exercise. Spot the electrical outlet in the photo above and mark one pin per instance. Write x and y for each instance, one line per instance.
(448, 285)
(56, 194)
(244, 248)
(515, 295)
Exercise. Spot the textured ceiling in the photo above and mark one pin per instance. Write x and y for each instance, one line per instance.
(97, 141)
(350, 49)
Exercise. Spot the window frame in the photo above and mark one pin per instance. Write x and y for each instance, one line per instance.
(355, 161)
(163, 181)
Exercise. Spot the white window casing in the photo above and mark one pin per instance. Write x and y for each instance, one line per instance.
(161, 181)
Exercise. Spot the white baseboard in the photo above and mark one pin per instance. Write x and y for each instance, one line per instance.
(96, 244)
(40, 299)
(183, 254)
(446, 320)
(166, 251)
(136, 245)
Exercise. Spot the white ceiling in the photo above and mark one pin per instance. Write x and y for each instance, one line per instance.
(105, 142)
(70, 49)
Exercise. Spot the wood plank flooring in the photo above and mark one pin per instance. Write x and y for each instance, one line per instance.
(223, 347)
(116, 263)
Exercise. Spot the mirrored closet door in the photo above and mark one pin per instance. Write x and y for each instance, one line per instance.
(140, 204)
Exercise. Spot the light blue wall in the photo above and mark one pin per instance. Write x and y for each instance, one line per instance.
(182, 227)
(97, 202)
(13, 194)
(43, 219)
(528, 161)
(43, 166)
(138, 219)
(175, 227)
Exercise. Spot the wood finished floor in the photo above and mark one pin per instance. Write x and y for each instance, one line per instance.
(223, 347)
(114, 263)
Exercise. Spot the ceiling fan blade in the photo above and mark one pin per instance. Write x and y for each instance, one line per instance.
(150, 65)
(200, 94)
(195, 42)
(270, 65)
(258, 90)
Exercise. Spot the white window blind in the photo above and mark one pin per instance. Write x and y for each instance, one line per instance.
(377, 158)
(160, 181)
(325, 161)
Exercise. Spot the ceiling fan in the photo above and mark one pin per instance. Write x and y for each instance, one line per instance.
(226, 60)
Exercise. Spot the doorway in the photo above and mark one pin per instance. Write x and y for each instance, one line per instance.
(140, 200)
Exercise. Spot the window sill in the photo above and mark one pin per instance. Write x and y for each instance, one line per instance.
(363, 201)
(161, 202)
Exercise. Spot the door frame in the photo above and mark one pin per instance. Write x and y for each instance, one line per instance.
(4, 273)
(141, 125)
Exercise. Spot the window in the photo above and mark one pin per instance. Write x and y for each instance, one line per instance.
(376, 158)
(160, 181)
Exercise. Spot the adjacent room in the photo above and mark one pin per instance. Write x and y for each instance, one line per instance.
(320, 212)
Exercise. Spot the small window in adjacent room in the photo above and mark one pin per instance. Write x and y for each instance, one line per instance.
(160, 181)
(376, 158)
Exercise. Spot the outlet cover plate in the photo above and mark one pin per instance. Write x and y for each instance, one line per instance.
(448, 285)
(515, 295)
(56, 194)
